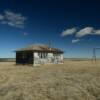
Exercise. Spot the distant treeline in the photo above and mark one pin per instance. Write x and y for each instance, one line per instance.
(7, 59)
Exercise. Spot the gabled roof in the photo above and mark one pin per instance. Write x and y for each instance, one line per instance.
(42, 48)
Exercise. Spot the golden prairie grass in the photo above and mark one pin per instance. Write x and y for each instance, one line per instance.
(73, 80)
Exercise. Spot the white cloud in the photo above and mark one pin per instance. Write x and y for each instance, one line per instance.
(68, 32)
(25, 34)
(80, 33)
(1, 17)
(84, 32)
(13, 19)
(75, 40)
(97, 32)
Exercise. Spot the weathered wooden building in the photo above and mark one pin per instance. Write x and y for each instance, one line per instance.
(39, 54)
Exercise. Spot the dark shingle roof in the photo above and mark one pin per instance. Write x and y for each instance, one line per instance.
(44, 48)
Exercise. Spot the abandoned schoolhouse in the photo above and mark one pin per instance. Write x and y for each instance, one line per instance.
(39, 54)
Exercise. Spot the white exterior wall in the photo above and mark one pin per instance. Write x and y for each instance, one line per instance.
(50, 55)
(36, 59)
(48, 60)
(36, 55)
(62, 57)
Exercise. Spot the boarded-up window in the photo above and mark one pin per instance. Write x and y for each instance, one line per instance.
(42, 55)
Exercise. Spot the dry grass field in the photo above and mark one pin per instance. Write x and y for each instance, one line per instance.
(73, 80)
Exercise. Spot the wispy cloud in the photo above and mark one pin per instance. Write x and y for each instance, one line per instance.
(84, 32)
(12, 19)
(68, 32)
(1, 17)
(80, 33)
(25, 34)
(97, 32)
(75, 40)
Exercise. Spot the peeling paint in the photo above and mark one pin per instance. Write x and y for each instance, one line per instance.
(51, 58)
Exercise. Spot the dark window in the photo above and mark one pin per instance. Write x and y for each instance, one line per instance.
(24, 55)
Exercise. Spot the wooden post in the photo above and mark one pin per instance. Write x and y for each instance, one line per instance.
(94, 54)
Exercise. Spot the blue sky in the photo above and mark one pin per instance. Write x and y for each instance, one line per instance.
(73, 26)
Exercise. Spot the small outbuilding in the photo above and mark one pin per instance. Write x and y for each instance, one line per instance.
(39, 54)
